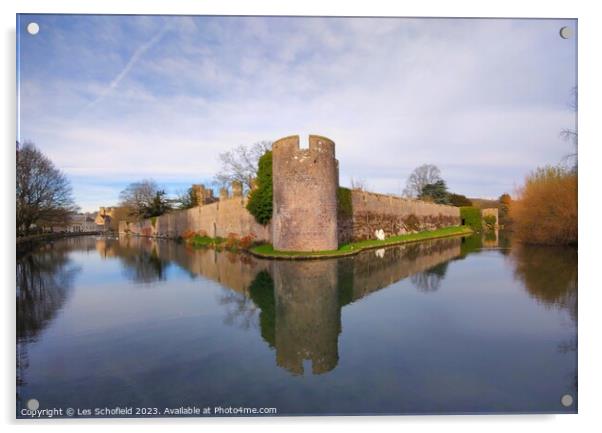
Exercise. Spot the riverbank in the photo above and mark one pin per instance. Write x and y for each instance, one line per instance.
(267, 250)
(26, 243)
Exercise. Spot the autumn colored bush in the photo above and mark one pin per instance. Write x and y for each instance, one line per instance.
(188, 234)
(232, 241)
(545, 211)
(246, 241)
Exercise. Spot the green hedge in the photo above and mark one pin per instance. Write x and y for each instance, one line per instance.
(471, 217)
(344, 202)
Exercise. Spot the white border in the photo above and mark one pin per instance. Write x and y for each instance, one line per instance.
(590, 215)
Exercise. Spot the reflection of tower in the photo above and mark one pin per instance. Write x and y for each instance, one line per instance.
(308, 316)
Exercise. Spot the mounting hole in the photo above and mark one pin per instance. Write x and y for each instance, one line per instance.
(567, 400)
(33, 28)
(566, 32)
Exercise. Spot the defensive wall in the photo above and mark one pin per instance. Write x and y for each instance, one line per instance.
(220, 218)
(394, 215)
(309, 211)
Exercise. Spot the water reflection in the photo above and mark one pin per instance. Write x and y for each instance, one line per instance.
(44, 281)
(296, 307)
(299, 302)
(549, 274)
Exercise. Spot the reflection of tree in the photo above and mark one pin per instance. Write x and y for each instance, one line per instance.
(143, 266)
(470, 244)
(44, 279)
(262, 294)
(430, 280)
(549, 275)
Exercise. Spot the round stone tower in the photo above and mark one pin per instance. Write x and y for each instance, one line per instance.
(305, 183)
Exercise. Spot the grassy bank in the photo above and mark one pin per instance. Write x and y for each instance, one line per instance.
(268, 251)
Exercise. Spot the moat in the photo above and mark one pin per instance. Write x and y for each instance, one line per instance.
(455, 325)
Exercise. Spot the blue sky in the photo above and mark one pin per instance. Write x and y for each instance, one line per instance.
(114, 99)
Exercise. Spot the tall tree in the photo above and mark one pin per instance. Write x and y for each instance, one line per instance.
(187, 199)
(240, 164)
(144, 199)
(436, 192)
(260, 198)
(504, 206)
(43, 192)
(421, 176)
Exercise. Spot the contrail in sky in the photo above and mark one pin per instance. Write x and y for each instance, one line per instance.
(128, 67)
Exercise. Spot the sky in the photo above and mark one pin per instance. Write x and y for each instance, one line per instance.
(116, 99)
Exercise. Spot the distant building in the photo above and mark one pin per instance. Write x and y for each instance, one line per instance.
(81, 223)
(103, 218)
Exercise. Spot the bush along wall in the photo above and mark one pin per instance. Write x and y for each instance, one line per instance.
(344, 215)
(471, 217)
(260, 199)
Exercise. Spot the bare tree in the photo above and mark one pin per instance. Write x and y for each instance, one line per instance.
(240, 164)
(421, 176)
(570, 134)
(43, 192)
(144, 199)
(359, 184)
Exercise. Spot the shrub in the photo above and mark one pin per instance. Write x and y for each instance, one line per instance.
(246, 241)
(545, 211)
(412, 223)
(490, 221)
(471, 217)
(188, 234)
(231, 241)
(260, 199)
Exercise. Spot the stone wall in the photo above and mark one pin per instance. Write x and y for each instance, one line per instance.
(394, 215)
(219, 219)
(305, 183)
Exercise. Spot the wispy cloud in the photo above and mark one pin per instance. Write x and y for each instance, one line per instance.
(138, 53)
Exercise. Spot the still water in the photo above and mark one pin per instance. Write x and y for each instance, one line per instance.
(459, 325)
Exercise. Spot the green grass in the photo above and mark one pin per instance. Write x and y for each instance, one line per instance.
(267, 250)
(205, 241)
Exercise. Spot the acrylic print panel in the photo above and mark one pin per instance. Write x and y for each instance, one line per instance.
(264, 216)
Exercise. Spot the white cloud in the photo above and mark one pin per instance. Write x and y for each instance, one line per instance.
(485, 96)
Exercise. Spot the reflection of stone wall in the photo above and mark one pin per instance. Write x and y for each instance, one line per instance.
(308, 315)
(371, 272)
(221, 218)
(300, 301)
(232, 270)
(395, 215)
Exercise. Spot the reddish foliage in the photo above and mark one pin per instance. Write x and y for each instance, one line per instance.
(546, 209)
